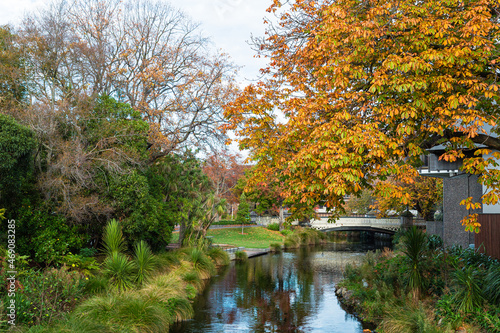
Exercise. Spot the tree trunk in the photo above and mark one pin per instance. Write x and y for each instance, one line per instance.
(281, 219)
(182, 232)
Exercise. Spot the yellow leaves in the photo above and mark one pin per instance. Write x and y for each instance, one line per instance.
(453, 102)
(370, 88)
(445, 86)
(469, 204)
(470, 223)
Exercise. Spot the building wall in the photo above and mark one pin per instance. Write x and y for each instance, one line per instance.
(455, 189)
(487, 240)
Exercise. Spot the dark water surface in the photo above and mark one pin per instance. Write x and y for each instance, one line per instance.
(288, 292)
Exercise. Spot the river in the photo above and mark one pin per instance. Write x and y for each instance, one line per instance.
(289, 292)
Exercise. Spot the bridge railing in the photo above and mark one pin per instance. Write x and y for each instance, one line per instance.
(388, 223)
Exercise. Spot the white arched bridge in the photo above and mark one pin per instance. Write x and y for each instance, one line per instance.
(384, 225)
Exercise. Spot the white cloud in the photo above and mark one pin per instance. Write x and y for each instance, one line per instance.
(230, 24)
(12, 11)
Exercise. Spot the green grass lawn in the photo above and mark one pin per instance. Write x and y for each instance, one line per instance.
(255, 237)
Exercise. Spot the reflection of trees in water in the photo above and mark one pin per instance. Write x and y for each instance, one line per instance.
(273, 293)
(279, 295)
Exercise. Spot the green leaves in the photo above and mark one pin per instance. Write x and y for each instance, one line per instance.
(113, 239)
(415, 244)
(144, 260)
(120, 270)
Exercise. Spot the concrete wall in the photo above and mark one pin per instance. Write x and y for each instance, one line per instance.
(455, 189)
(434, 228)
(266, 220)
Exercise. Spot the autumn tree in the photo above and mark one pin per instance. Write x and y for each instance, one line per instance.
(100, 91)
(145, 53)
(425, 196)
(12, 71)
(357, 90)
(225, 170)
(113, 86)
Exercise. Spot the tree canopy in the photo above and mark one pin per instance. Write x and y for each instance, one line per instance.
(101, 102)
(357, 90)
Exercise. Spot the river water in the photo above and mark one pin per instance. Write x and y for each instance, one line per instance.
(289, 292)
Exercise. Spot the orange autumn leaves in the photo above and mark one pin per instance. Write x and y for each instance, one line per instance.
(357, 90)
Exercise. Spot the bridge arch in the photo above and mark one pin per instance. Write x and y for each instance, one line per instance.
(359, 228)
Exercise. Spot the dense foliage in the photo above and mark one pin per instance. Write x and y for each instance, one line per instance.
(92, 129)
(422, 287)
(357, 90)
(150, 291)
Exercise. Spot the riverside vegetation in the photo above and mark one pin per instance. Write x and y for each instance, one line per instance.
(126, 292)
(423, 287)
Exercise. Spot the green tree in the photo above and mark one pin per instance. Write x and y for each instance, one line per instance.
(17, 143)
(243, 214)
(361, 203)
(184, 188)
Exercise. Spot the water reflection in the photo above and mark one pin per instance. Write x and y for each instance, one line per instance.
(289, 292)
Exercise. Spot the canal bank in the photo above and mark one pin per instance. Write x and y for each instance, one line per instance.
(424, 287)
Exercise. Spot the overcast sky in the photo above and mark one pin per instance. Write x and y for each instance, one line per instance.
(229, 23)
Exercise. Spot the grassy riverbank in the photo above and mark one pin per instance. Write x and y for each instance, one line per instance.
(263, 238)
(254, 237)
(422, 287)
(134, 291)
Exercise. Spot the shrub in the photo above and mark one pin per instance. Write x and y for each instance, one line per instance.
(126, 312)
(306, 237)
(168, 259)
(219, 256)
(84, 265)
(292, 241)
(411, 318)
(46, 296)
(119, 270)
(144, 261)
(240, 256)
(276, 247)
(88, 252)
(274, 227)
(471, 257)
(231, 222)
(193, 278)
(352, 273)
(434, 242)
(468, 293)
(97, 284)
(201, 263)
(44, 236)
(286, 232)
(492, 284)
